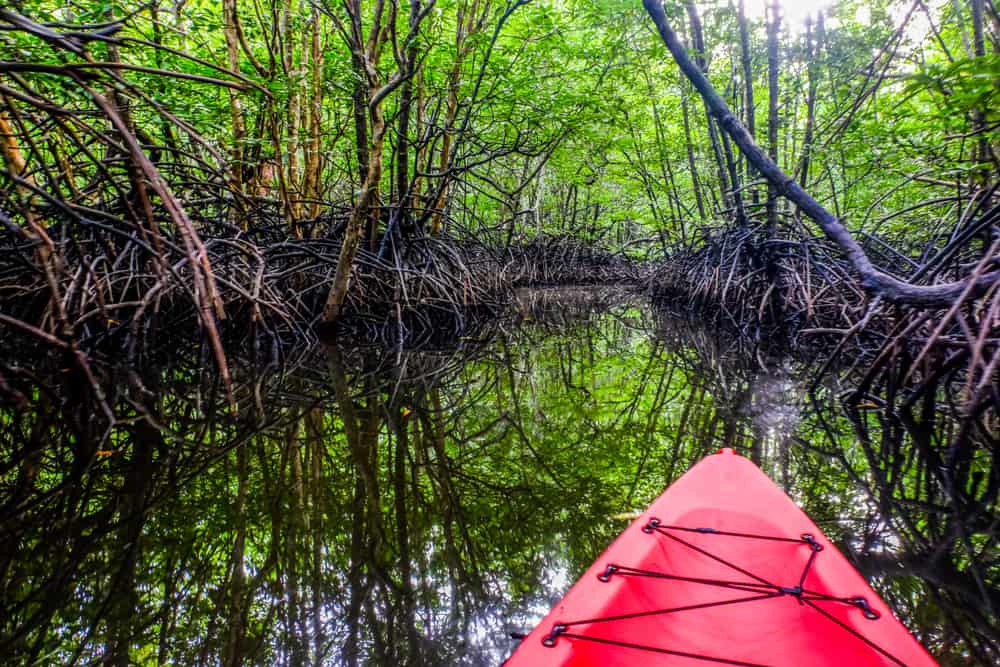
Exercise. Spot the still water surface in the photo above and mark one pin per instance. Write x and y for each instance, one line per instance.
(366, 506)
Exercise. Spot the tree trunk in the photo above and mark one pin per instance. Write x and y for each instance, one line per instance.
(982, 152)
(698, 43)
(403, 190)
(365, 208)
(235, 104)
(313, 162)
(359, 105)
(294, 118)
(450, 115)
(689, 144)
(748, 101)
(813, 48)
(773, 26)
(666, 169)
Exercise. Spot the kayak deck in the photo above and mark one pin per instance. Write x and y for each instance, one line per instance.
(723, 568)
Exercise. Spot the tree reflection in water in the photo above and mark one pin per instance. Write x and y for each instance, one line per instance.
(413, 507)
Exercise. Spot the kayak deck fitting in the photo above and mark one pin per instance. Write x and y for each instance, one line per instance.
(723, 568)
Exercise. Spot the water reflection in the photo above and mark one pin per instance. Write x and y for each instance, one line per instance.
(413, 507)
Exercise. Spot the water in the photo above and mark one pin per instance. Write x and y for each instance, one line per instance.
(365, 506)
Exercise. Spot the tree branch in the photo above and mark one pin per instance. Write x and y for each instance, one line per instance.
(876, 282)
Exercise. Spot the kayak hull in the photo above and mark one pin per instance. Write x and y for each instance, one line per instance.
(722, 568)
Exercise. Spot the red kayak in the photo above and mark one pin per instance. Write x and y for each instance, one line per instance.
(723, 568)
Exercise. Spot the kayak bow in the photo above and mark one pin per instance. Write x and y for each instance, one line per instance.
(723, 568)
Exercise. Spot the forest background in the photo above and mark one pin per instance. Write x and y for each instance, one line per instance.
(385, 122)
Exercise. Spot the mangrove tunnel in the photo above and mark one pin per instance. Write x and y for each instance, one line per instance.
(351, 332)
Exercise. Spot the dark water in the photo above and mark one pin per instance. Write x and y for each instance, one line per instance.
(365, 506)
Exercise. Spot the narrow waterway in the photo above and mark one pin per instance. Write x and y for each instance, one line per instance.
(391, 507)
